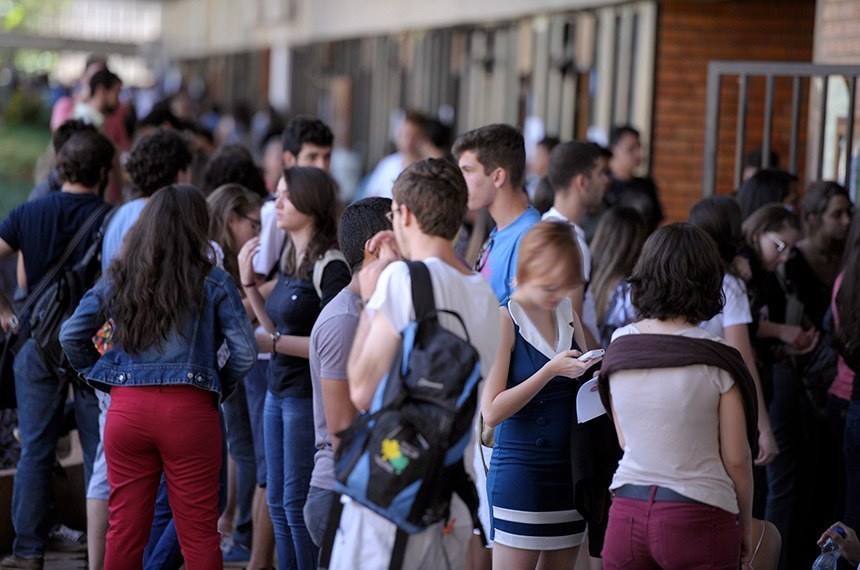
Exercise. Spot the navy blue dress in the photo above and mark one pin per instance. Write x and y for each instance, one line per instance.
(529, 483)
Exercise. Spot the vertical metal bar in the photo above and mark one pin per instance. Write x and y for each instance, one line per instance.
(795, 124)
(712, 123)
(768, 122)
(740, 136)
(849, 134)
(822, 118)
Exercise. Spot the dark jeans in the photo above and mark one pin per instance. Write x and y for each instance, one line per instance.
(851, 446)
(41, 400)
(255, 395)
(240, 445)
(289, 429)
(650, 535)
(785, 413)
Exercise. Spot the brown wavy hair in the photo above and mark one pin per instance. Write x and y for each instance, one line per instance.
(313, 193)
(158, 276)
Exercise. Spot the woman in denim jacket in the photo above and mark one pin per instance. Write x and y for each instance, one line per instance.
(172, 311)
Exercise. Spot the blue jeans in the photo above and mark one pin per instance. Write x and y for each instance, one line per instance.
(240, 444)
(288, 425)
(255, 395)
(163, 551)
(41, 400)
(851, 445)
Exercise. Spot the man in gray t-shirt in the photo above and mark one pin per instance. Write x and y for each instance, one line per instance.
(330, 343)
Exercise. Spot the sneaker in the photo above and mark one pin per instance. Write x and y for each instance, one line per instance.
(64, 539)
(22, 563)
(234, 552)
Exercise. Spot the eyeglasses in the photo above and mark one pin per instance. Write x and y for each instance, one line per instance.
(255, 223)
(389, 215)
(484, 256)
(780, 245)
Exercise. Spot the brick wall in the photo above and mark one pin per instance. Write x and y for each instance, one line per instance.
(690, 34)
(837, 35)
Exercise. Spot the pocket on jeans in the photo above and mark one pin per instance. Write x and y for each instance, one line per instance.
(686, 543)
(618, 544)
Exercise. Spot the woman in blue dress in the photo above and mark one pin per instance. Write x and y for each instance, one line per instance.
(529, 395)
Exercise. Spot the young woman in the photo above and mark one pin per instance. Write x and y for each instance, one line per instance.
(306, 208)
(172, 310)
(769, 234)
(770, 186)
(235, 220)
(720, 218)
(681, 401)
(846, 313)
(617, 242)
(529, 395)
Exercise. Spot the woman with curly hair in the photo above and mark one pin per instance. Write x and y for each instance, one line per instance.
(172, 310)
(306, 208)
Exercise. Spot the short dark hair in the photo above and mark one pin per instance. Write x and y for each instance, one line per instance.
(159, 115)
(549, 143)
(764, 187)
(438, 132)
(753, 158)
(233, 164)
(618, 132)
(301, 130)
(570, 159)
(156, 159)
(496, 146)
(720, 218)
(104, 78)
(84, 158)
(64, 132)
(435, 192)
(679, 274)
(361, 221)
(818, 195)
(544, 195)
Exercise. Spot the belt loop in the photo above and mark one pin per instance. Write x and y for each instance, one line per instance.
(652, 494)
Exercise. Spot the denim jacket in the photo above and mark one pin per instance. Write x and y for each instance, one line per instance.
(189, 358)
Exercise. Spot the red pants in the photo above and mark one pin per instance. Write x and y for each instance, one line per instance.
(175, 429)
(650, 535)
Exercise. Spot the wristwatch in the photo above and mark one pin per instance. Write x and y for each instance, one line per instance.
(275, 336)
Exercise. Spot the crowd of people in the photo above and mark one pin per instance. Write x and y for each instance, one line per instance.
(245, 317)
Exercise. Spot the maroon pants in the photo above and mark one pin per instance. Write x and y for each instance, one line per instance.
(647, 534)
(175, 429)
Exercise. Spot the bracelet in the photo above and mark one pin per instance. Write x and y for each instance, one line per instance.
(275, 336)
(249, 284)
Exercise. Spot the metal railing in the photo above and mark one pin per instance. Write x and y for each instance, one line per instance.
(744, 71)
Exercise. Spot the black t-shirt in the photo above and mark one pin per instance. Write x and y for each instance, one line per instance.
(42, 229)
(638, 193)
(294, 306)
(811, 291)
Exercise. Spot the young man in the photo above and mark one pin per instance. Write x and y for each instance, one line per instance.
(493, 162)
(157, 160)
(410, 142)
(429, 204)
(53, 183)
(579, 174)
(331, 341)
(41, 230)
(105, 86)
(627, 189)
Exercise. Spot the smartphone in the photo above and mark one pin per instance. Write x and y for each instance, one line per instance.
(592, 354)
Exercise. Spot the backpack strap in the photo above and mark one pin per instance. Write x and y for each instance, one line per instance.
(464, 487)
(322, 263)
(422, 290)
(398, 551)
(327, 545)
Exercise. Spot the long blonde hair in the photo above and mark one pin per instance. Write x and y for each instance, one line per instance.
(617, 243)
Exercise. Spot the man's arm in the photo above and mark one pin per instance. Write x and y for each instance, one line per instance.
(376, 343)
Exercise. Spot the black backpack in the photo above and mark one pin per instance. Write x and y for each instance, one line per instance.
(59, 299)
(403, 458)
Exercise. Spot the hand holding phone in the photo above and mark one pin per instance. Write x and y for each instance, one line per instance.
(592, 354)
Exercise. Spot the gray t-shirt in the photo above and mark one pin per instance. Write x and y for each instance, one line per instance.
(331, 341)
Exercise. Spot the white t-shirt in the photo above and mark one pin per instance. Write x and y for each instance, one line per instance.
(736, 311)
(670, 421)
(271, 240)
(589, 308)
(365, 539)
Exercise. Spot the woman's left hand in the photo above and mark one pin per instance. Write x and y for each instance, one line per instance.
(246, 260)
(767, 448)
